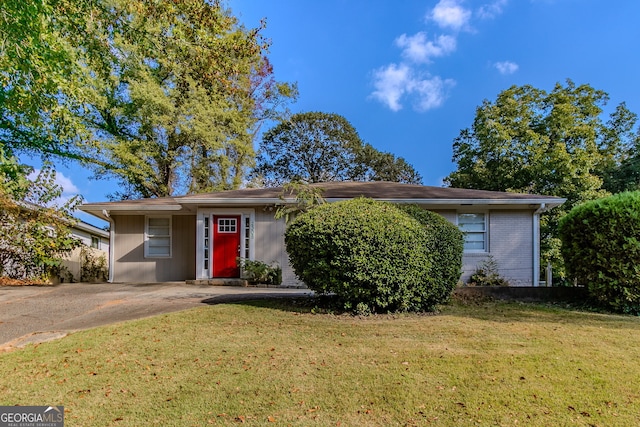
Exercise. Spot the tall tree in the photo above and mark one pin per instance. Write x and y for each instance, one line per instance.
(319, 147)
(178, 90)
(39, 76)
(622, 173)
(165, 96)
(554, 143)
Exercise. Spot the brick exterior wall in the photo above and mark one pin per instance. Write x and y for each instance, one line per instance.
(510, 245)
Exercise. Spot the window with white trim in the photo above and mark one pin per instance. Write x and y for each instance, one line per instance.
(157, 237)
(474, 227)
(206, 243)
(227, 225)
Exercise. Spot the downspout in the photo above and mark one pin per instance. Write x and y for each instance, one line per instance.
(536, 243)
(112, 238)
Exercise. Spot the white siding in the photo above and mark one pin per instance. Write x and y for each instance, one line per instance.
(510, 245)
(269, 245)
(130, 264)
(85, 237)
(510, 242)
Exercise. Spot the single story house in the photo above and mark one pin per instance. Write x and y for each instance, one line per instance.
(200, 236)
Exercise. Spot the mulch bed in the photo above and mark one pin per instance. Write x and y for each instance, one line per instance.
(6, 281)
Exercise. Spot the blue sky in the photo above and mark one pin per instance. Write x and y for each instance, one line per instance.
(409, 74)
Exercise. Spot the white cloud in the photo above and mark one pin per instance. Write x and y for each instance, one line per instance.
(418, 49)
(394, 82)
(431, 92)
(391, 83)
(450, 14)
(68, 187)
(506, 67)
(409, 81)
(491, 10)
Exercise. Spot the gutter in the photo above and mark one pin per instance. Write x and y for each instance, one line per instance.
(278, 201)
(112, 238)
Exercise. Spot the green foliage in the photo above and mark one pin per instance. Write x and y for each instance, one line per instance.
(622, 172)
(34, 232)
(179, 91)
(371, 254)
(260, 272)
(446, 247)
(306, 197)
(601, 248)
(487, 274)
(39, 75)
(93, 265)
(319, 147)
(165, 96)
(553, 143)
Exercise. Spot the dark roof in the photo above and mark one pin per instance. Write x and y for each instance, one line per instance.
(373, 189)
(437, 197)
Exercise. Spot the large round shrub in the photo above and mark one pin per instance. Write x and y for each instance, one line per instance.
(601, 249)
(371, 254)
(446, 244)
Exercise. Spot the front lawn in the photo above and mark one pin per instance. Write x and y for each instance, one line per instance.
(262, 364)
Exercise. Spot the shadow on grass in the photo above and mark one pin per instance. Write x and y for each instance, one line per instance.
(512, 311)
(267, 299)
(485, 309)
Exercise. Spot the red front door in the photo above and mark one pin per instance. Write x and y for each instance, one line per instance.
(226, 246)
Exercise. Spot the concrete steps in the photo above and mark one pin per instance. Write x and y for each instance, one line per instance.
(219, 282)
(237, 282)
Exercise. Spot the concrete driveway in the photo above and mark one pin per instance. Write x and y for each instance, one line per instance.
(30, 314)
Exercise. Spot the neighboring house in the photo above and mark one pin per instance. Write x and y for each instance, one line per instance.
(95, 244)
(90, 235)
(201, 236)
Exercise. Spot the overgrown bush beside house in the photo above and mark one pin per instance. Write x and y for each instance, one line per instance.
(446, 247)
(601, 249)
(34, 235)
(372, 255)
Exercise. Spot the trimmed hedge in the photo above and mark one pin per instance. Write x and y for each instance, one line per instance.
(601, 249)
(446, 247)
(371, 254)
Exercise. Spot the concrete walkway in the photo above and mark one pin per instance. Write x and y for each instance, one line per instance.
(30, 314)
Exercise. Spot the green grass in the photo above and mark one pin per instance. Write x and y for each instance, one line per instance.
(263, 364)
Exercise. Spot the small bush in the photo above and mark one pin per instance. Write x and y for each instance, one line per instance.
(94, 265)
(601, 249)
(260, 272)
(371, 254)
(487, 274)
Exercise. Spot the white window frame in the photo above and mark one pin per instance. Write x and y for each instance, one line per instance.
(95, 242)
(230, 226)
(148, 237)
(485, 232)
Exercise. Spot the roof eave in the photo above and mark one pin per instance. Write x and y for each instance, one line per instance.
(548, 202)
(236, 201)
(98, 209)
(92, 229)
(124, 207)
